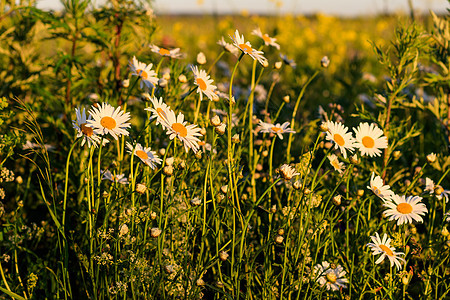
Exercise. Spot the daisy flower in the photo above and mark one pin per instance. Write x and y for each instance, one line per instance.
(159, 111)
(405, 210)
(148, 76)
(80, 125)
(334, 161)
(246, 47)
(370, 139)
(287, 172)
(343, 140)
(107, 175)
(333, 279)
(383, 247)
(268, 41)
(376, 185)
(277, 128)
(204, 83)
(173, 53)
(228, 47)
(109, 120)
(146, 155)
(432, 188)
(177, 127)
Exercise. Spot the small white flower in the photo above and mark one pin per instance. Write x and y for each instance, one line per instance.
(114, 178)
(338, 134)
(405, 210)
(333, 279)
(109, 120)
(376, 185)
(148, 76)
(276, 128)
(334, 161)
(288, 172)
(146, 155)
(267, 39)
(383, 247)
(246, 47)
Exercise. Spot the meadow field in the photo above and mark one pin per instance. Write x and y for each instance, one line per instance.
(222, 157)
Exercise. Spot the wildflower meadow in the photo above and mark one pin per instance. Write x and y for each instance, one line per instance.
(222, 157)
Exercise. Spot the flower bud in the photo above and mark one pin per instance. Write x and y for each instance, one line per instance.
(155, 232)
(168, 170)
(203, 131)
(286, 99)
(265, 63)
(196, 201)
(273, 209)
(221, 128)
(223, 255)
(324, 62)
(153, 215)
(141, 188)
(281, 231)
(200, 282)
(126, 83)
(123, 230)
(297, 185)
(279, 239)
(354, 159)
(360, 193)
(182, 78)
(162, 82)
(278, 65)
(215, 121)
(431, 158)
(337, 200)
(397, 154)
(166, 76)
(235, 139)
(323, 127)
(201, 58)
(224, 189)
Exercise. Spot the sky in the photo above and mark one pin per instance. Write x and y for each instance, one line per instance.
(335, 7)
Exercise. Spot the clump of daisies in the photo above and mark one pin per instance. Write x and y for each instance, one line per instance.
(369, 139)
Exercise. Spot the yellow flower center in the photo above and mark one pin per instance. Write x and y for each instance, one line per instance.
(108, 123)
(180, 129)
(404, 208)
(142, 154)
(339, 139)
(246, 48)
(376, 190)
(202, 143)
(387, 250)
(368, 142)
(87, 131)
(142, 73)
(163, 51)
(277, 129)
(161, 113)
(331, 277)
(201, 83)
(266, 38)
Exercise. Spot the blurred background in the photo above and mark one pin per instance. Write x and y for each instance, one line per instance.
(270, 7)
